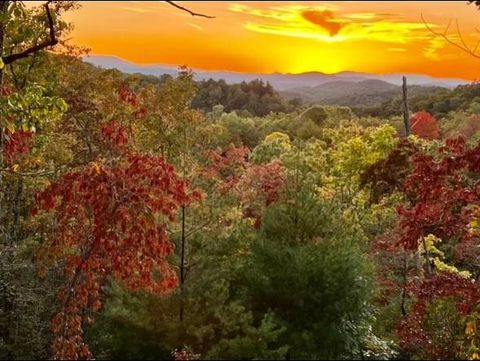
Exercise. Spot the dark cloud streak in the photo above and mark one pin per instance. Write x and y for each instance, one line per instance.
(325, 19)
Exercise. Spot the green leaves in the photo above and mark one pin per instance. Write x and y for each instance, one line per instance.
(30, 108)
(311, 289)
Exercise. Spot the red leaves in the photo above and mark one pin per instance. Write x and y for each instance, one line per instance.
(425, 125)
(255, 186)
(116, 133)
(440, 192)
(262, 182)
(465, 294)
(128, 96)
(258, 187)
(226, 165)
(447, 284)
(131, 99)
(17, 144)
(6, 90)
(110, 222)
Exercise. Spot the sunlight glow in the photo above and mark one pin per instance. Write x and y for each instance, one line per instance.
(283, 36)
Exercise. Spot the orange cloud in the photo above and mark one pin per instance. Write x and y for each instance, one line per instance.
(302, 21)
(324, 19)
(290, 36)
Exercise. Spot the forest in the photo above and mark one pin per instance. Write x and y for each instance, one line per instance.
(147, 217)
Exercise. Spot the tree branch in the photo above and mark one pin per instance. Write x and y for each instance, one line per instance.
(189, 11)
(31, 174)
(50, 42)
(462, 45)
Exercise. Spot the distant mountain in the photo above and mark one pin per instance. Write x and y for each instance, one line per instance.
(364, 93)
(112, 62)
(278, 80)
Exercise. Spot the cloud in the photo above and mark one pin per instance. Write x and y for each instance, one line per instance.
(136, 9)
(434, 45)
(327, 24)
(285, 13)
(140, 9)
(295, 32)
(324, 19)
(372, 16)
(198, 27)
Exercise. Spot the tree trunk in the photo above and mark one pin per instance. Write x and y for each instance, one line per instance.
(6, 301)
(183, 246)
(406, 113)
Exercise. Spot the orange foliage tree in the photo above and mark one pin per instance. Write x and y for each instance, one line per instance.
(425, 125)
(110, 222)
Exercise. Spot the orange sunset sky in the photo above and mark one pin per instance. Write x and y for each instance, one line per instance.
(289, 36)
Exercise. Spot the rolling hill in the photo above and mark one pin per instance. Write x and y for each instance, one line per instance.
(278, 80)
(368, 93)
(347, 88)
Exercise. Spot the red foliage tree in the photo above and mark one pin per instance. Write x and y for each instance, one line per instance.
(128, 96)
(132, 100)
(115, 133)
(110, 222)
(259, 187)
(6, 90)
(17, 143)
(255, 186)
(439, 192)
(226, 166)
(412, 335)
(425, 125)
(442, 194)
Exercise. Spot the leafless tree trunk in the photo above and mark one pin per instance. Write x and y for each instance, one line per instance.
(406, 113)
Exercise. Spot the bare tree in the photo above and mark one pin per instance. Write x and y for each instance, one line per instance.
(189, 11)
(456, 39)
(52, 40)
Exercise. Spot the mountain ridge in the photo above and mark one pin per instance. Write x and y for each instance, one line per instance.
(281, 81)
(365, 93)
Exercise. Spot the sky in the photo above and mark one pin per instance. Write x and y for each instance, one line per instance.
(288, 37)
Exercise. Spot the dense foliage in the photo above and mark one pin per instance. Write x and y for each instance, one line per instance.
(254, 98)
(439, 102)
(163, 218)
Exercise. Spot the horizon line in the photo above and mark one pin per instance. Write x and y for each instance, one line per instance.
(176, 68)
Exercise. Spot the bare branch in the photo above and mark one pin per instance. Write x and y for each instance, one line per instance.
(476, 47)
(446, 29)
(32, 173)
(189, 11)
(54, 41)
(460, 34)
(50, 42)
(462, 45)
